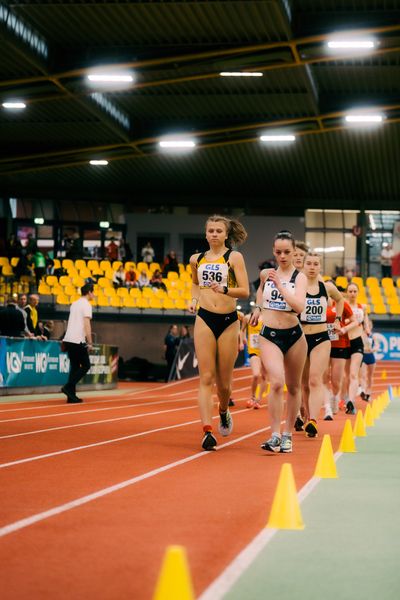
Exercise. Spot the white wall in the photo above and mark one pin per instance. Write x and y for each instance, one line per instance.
(257, 248)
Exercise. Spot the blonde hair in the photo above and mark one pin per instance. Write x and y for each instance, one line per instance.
(234, 229)
(301, 246)
(314, 255)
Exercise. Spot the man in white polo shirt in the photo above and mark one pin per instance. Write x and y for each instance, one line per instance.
(78, 341)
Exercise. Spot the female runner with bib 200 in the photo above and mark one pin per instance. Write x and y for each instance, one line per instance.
(280, 298)
(218, 278)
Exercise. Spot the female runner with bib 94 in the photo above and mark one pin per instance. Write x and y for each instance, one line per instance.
(219, 277)
(283, 347)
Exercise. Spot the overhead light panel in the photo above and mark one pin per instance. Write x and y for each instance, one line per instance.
(241, 74)
(98, 163)
(38, 220)
(104, 224)
(278, 138)
(330, 249)
(110, 78)
(364, 119)
(14, 105)
(344, 44)
(177, 144)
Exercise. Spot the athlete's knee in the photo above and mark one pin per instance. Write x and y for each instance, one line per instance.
(207, 378)
(293, 389)
(277, 386)
(224, 390)
(314, 381)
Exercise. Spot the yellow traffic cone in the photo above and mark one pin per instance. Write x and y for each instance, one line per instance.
(384, 374)
(359, 427)
(257, 391)
(267, 390)
(285, 512)
(347, 443)
(326, 466)
(174, 579)
(284, 387)
(368, 417)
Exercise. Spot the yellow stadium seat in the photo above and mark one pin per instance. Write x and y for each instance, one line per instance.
(155, 303)
(372, 282)
(153, 266)
(379, 309)
(358, 281)
(174, 294)
(67, 263)
(62, 299)
(65, 280)
(78, 281)
(189, 268)
(57, 263)
(392, 300)
(104, 282)
(44, 288)
(341, 281)
(103, 301)
(109, 274)
(7, 271)
(70, 290)
(135, 293)
(398, 282)
(161, 294)
(129, 264)
(142, 266)
(142, 302)
(180, 304)
(185, 276)
(129, 302)
(116, 264)
(110, 292)
(168, 304)
(3, 260)
(395, 310)
(14, 261)
(80, 264)
(51, 280)
(122, 292)
(117, 302)
(172, 276)
(147, 292)
(387, 282)
(105, 265)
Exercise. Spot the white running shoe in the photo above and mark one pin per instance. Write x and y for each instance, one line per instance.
(225, 423)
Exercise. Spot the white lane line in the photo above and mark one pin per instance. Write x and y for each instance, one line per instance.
(22, 523)
(232, 573)
(104, 442)
(87, 423)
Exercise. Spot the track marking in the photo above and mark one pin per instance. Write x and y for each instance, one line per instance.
(105, 442)
(22, 523)
(230, 575)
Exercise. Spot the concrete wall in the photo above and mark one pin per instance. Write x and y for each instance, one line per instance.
(174, 228)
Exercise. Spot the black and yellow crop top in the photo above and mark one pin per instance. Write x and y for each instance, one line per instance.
(216, 271)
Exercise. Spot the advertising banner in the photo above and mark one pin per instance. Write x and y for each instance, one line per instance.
(185, 364)
(32, 363)
(386, 345)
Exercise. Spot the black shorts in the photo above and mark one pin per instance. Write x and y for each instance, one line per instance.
(340, 353)
(356, 346)
(315, 339)
(283, 338)
(217, 322)
(369, 358)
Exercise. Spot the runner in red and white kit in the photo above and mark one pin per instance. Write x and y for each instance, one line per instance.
(340, 351)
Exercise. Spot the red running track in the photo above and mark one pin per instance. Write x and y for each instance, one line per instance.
(92, 494)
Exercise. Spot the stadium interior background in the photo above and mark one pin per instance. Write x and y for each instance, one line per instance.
(336, 186)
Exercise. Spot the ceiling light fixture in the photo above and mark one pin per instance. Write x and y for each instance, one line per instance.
(104, 224)
(351, 44)
(277, 138)
(241, 74)
(364, 118)
(39, 221)
(177, 144)
(99, 162)
(14, 105)
(110, 78)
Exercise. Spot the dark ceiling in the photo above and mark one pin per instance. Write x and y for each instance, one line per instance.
(176, 50)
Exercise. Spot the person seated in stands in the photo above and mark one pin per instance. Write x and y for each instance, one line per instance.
(32, 316)
(157, 280)
(119, 277)
(49, 264)
(170, 263)
(112, 250)
(25, 266)
(13, 246)
(12, 322)
(143, 280)
(130, 278)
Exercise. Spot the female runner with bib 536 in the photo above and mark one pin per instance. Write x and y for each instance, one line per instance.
(218, 278)
(280, 298)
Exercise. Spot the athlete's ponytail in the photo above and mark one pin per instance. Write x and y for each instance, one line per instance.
(284, 234)
(234, 229)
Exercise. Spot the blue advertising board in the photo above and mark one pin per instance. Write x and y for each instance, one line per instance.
(386, 345)
(26, 362)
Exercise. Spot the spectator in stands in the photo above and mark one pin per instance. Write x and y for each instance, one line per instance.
(66, 244)
(124, 251)
(349, 274)
(387, 255)
(112, 250)
(157, 280)
(130, 278)
(171, 343)
(40, 266)
(11, 319)
(13, 246)
(184, 332)
(31, 245)
(25, 266)
(49, 264)
(170, 263)
(22, 302)
(143, 280)
(147, 253)
(119, 277)
(32, 313)
(76, 249)
(46, 329)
